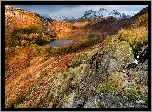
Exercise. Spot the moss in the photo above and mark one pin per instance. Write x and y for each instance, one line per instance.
(19, 100)
(28, 92)
(38, 52)
(39, 79)
(114, 83)
(137, 93)
(106, 88)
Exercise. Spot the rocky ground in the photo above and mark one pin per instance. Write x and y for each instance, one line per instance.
(99, 77)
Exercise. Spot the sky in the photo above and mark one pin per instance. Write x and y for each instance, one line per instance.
(77, 10)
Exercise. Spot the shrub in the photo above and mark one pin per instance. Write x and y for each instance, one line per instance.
(38, 51)
(31, 35)
(74, 64)
(20, 99)
(137, 93)
(39, 79)
(137, 38)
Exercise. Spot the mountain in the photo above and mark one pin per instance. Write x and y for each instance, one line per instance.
(91, 15)
(103, 13)
(57, 28)
(95, 71)
(112, 25)
(22, 27)
(19, 18)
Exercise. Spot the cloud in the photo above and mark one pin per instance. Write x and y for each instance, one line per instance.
(76, 10)
(125, 7)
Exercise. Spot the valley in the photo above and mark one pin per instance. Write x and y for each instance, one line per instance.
(89, 72)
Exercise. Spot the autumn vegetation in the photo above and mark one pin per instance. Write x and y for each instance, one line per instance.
(39, 76)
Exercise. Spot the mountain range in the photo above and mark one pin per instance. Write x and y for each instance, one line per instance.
(92, 15)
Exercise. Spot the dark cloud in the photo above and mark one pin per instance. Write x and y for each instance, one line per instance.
(75, 10)
(44, 8)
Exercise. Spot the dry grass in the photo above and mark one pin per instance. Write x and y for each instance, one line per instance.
(141, 21)
(131, 35)
(81, 24)
(137, 92)
(39, 68)
(114, 83)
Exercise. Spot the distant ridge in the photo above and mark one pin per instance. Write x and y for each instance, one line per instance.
(91, 15)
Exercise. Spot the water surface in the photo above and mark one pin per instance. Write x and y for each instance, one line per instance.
(57, 43)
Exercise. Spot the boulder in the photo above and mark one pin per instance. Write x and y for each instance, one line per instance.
(116, 55)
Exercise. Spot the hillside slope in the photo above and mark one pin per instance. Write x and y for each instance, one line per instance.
(95, 71)
(21, 26)
(57, 28)
(112, 26)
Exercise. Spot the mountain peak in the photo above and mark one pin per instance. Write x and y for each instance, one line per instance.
(7, 6)
(92, 15)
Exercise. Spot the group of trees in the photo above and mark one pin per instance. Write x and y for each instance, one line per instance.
(25, 36)
(73, 47)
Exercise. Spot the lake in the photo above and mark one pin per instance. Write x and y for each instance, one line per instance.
(57, 43)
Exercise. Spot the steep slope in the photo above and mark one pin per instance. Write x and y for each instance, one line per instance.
(21, 25)
(58, 28)
(112, 26)
(101, 76)
(137, 34)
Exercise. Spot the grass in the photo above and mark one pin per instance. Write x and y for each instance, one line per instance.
(141, 21)
(74, 64)
(19, 100)
(28, 92)
(136, 92)
(137, 38)
(136, 34)
(116, 83)
(22, 98)
(39, 79)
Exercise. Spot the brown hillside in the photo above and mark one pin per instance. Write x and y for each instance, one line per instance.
(57, 28)
(16, 18)
(112, 26)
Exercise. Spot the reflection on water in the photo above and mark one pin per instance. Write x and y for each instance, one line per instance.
(56, 43)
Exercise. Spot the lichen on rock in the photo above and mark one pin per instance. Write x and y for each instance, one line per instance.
(116, 56)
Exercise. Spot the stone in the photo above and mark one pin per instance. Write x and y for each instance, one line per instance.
(116, 56)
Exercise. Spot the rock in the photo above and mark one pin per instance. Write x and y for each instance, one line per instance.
(131, 65)
(141, 77)
(93, 102)
(140, 101)
(143, 55)
(70, 100)
(80, 104)
(112, 66)
(116, 56)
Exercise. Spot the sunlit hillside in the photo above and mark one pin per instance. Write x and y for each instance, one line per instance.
(105, 65)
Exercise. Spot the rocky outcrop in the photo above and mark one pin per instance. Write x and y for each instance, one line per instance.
(116, 55)
(99, 78)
